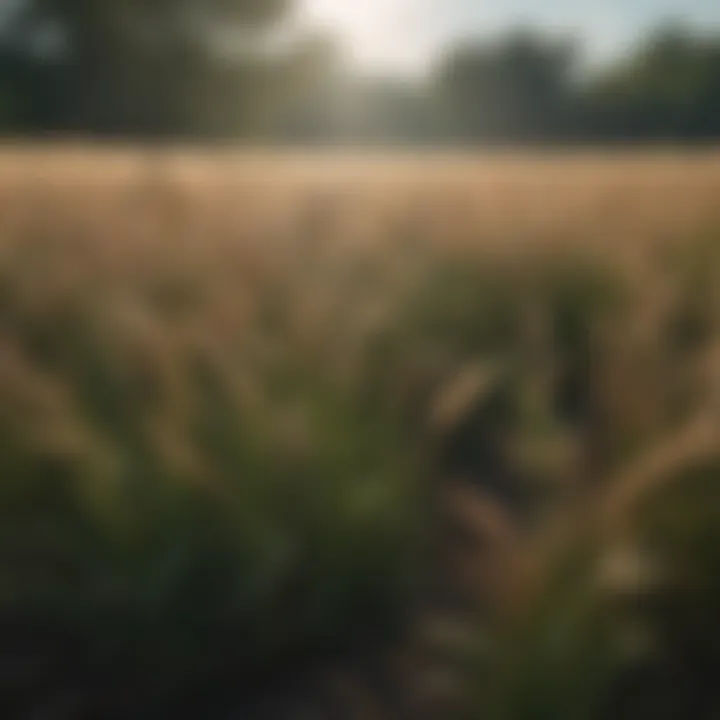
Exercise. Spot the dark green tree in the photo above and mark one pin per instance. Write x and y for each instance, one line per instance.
(519, 87)
(668, 89)
(152, 67)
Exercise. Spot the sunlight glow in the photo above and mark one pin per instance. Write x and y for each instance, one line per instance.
(376, 33)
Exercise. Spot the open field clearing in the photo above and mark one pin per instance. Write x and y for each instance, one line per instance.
(359, 436)
(584, 198)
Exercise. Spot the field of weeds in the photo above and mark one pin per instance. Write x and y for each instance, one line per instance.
(358, 437)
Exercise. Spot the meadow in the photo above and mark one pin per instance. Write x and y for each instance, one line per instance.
(353, 436)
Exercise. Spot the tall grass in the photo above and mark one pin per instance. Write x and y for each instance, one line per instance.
(362, 439)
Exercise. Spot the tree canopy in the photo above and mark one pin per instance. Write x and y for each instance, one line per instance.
(220, 68)
(149, 67)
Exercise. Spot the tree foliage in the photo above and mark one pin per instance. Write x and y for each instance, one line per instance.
(140, 67)
(517, 87)
(190, 68)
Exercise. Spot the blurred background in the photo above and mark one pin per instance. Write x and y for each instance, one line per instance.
(359, 360)
(401, 72)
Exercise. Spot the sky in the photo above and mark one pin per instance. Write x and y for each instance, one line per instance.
(404, 35)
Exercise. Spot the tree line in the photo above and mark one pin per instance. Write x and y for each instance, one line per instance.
(222, 69)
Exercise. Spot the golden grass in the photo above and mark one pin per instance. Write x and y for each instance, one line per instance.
(302, 349)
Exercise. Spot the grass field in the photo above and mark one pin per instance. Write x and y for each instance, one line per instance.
(359, 437)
